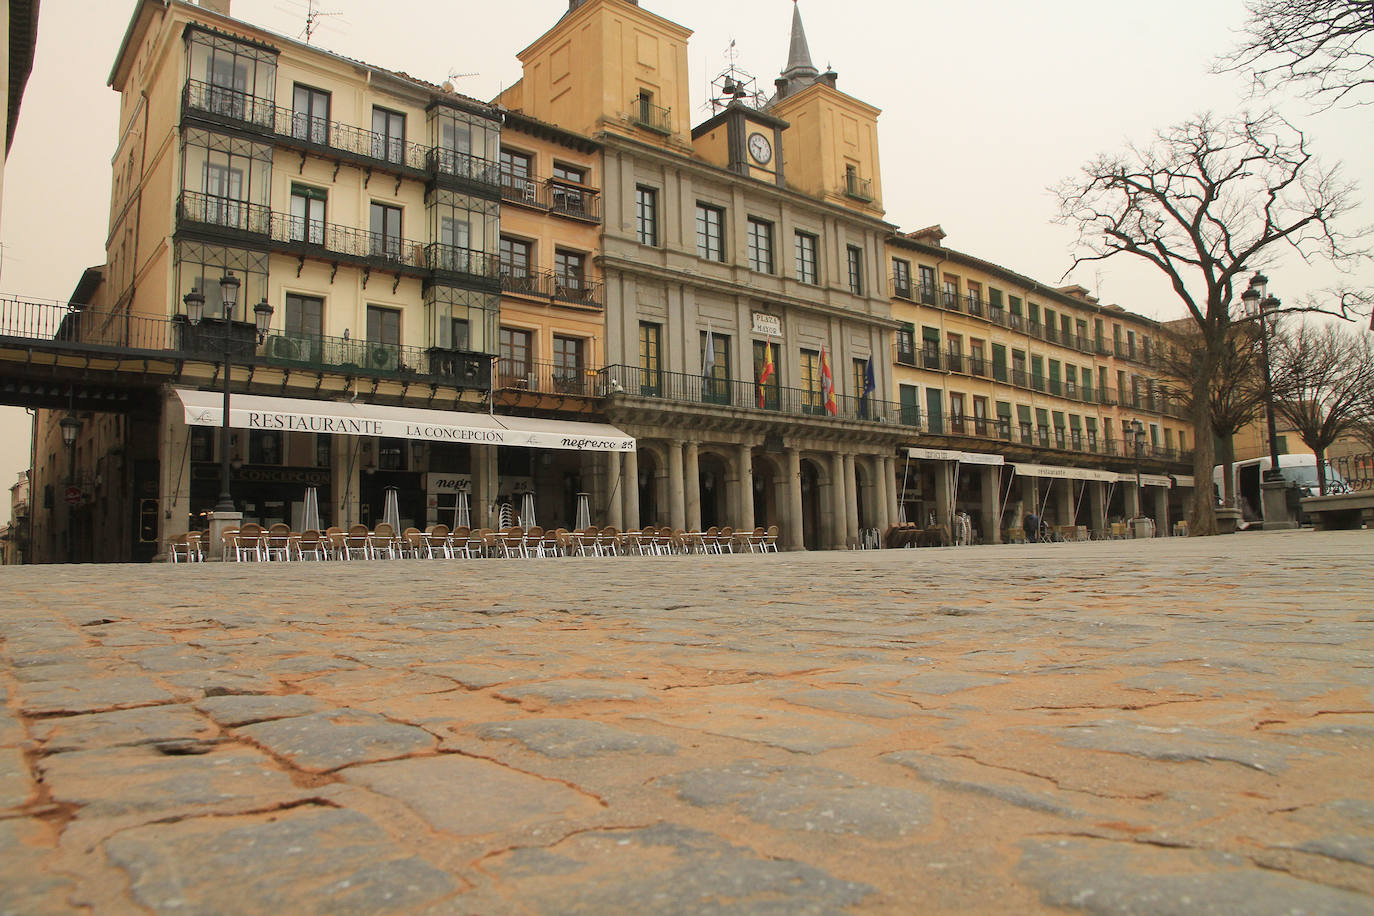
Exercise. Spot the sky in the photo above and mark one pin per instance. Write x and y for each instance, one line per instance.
(986, 104)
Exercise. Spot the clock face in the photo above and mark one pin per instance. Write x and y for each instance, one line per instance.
(760, 148)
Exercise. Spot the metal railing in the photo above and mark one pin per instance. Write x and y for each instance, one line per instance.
(223, 212)
(550, 285)
(298, 128)
(547, 378)
(1358, 470)
(80, 328)
(452, 259)
(650, 116)
(391, 250)
(555, 197)
(684, 388)
(858, 188)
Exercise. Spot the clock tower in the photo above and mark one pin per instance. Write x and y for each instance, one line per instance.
(741, 136)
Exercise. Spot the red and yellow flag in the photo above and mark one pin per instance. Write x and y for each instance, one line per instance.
(828, 386)
(768, 371)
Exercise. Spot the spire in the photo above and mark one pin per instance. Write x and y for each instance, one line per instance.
(799, 55)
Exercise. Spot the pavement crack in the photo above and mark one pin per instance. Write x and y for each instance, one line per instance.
(478, 864)
(1126, 707)
(541, 776)
(1055, 782)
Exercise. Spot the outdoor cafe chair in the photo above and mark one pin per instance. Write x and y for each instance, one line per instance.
(438, 542)
(460, 541)
(753, 541)
(184, 548)
(726, 540)
(710, 540)
(534, 541)
(770, 540)
(413, 544)
(249, 544)
(311, 545)
(358, 543)
(276, 544)
(608, 541)
(383, 542)
(334, 543)
(553, 542)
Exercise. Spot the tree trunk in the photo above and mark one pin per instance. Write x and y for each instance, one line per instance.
(1321, 470)
(1202, 515)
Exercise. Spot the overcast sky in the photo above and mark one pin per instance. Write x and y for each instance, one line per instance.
(985, 106)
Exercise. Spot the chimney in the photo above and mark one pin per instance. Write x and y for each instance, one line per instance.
(216, 6)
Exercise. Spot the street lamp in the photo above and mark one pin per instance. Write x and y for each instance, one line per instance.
(1138, 449)
(262, 317)
(70, 426)
(1260, 305)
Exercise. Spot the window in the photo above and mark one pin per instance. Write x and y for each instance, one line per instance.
(901, 278)
(264, 447)
(956, 351)
(515, 357)
(856, 270)
(760, 245)
(1038, 373)
(310, 114)
(812, 399)
(977, 364)
(928, 285)
(224, 195)
(975, 296)
(388, 135)
(391, 454)
(806, 257)
(956, 412)
(383, 326)
(304, 315)
(516, 169)
(460, 333)
(324, 450)
(930, 348)
(980, 415)
(569, 173)
(646, 215)
(1091, 423)
(307, 214)
(710, 233)
(568, 364)
(1018, 368)
(910, 399)
(386, 231)
(999, 362)
(906, 345)
(994, 299)
(650, 357)
(1004, 420)
(569, 271)
(516, 256)
(715, 367)
(951, 293)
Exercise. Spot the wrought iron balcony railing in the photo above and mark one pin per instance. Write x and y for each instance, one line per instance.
(230, 104)
(547, 378)
(223, 213)
(560, 198)
(646, 114)
(902, 288)
(551, 285)
(358, 244)
(858, 188)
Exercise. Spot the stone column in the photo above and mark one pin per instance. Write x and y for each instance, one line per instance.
(614, 497)
(1162, 511)
(1131, 495)
(838, 513)
(745, 458)
(793, 518)
(691, 471)
(852, 497)
(483, 462)
(1064, 498)
(878, 494)
(1097, 498)
(944, 494)
(677, 497)
(992, 488)
(631, 484)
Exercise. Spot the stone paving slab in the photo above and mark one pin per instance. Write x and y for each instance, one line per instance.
(1167, 727)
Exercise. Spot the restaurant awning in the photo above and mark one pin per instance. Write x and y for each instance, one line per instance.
(247, 411)
(945, 454)
(1055, 472)
(1148, 480)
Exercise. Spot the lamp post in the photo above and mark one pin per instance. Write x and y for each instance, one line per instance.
(1138, 447)
(1260, 305)
(262, 317)
(70, 426)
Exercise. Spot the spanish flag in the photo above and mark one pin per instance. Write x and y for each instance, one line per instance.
(768, 371)
(828, 386)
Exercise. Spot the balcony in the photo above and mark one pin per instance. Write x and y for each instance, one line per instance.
(973, 305)
(685, 388)
(927, 294)
(551, 196)
(905, 355)
(902, 289)
(645, 114)
(547, 378)
(858, 188)
(333, 139)
(550, 285)
(950, 300)
(577, 291)
(195, 209)
(330, 241)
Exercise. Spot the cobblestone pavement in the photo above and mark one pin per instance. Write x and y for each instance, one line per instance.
(1166, 727)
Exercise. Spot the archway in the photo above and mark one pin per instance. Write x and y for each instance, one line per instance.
(712, 471)
(811, 479)
(650, 472)
(768, 498)
(863, 495)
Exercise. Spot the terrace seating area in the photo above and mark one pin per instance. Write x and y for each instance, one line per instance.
(252, 543)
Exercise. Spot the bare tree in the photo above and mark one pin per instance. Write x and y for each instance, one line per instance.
(1322, 48)
(1322, 376)
(1207, 201)
(1236, 389)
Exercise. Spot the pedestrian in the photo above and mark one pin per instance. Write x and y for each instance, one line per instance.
(1031, 525)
